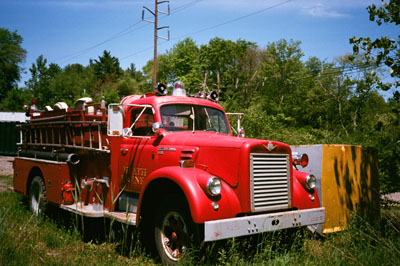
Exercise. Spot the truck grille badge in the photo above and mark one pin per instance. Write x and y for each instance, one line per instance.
(270, 146)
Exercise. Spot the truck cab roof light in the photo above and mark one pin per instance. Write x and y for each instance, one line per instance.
(179, 89)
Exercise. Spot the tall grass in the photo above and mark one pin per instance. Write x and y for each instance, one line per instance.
(58, 239)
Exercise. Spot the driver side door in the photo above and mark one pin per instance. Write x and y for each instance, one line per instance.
(137, 155)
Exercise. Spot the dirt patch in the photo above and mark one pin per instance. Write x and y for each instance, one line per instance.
(393, 198)
(6, 167)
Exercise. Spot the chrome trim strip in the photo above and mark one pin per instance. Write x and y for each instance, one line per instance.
(250, 225)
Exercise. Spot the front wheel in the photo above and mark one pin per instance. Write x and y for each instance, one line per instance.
(37, 196)
(174, 230)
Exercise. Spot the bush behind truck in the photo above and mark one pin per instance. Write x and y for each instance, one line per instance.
(168, 163)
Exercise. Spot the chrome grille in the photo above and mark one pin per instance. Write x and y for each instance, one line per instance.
(269, 181)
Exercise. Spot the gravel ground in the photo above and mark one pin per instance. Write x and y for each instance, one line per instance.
(6, 167)
(392, 196)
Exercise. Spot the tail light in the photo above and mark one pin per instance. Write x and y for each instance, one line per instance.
(68, 199)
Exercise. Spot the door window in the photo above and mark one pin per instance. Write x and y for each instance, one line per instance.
(144, 122)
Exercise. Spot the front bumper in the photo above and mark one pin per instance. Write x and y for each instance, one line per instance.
(250, 225)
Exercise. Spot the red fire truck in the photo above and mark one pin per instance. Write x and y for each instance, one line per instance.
(169, 163)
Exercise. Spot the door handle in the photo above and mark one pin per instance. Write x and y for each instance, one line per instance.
(124, 151)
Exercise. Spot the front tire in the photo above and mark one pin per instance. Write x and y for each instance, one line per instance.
(174, 230)
(37, 196)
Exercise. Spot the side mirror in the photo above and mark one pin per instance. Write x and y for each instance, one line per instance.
(241, 133)
(158, 128)
(115, 120)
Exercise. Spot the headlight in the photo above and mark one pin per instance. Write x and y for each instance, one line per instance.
(214, 186)
(311, 181)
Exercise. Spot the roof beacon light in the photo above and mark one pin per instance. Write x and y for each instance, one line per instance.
(161, 89)
(179, 89)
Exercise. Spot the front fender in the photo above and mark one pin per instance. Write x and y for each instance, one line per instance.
(302, 197)
(189, 180)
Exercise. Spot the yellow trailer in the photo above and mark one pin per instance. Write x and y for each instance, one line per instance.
(347, 181)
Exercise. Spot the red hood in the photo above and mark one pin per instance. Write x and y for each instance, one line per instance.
(219, 154)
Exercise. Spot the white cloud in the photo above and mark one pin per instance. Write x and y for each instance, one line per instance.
(323, 12)
(316, 8)
(331, 8)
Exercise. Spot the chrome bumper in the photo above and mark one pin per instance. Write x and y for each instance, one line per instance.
(249, 225)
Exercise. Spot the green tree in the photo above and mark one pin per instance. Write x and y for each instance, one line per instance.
(223, 59)
(39, 83)
(106, 68)
(107, 71)
(16, 99)
(248, 79)
(11, 56)
(281, 69)
(179, 63)
(384, 49)
(384, 134)
(71, 83)
(132, 83)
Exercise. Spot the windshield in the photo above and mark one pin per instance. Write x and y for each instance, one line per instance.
(193, 117)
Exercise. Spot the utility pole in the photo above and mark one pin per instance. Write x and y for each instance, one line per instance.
(156, 29)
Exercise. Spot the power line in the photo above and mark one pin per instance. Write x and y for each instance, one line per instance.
(185, 6)
(120, 34)
(215, 26)
(235, 19)
(344, 70)
(81, 52)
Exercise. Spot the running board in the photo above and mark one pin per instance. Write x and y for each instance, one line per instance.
(97, 211)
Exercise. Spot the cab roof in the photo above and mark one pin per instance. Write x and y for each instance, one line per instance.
(157, 101)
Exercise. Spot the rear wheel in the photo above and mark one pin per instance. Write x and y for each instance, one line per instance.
(37, 196)
(174, 230)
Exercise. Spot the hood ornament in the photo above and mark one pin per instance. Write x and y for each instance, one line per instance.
(270, 146)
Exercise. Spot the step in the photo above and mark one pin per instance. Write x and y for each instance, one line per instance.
(97, 211)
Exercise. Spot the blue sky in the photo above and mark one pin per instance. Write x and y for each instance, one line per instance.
(74, 31)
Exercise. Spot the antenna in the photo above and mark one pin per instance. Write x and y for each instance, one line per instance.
(156, 29)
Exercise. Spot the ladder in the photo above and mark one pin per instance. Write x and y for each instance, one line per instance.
(85, 135)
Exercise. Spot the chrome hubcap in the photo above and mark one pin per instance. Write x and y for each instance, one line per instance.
(35, 199)
(174, 235)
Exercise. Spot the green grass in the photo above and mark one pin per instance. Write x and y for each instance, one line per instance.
(58, 239)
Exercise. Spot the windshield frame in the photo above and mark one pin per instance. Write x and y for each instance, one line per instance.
(193, 112)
